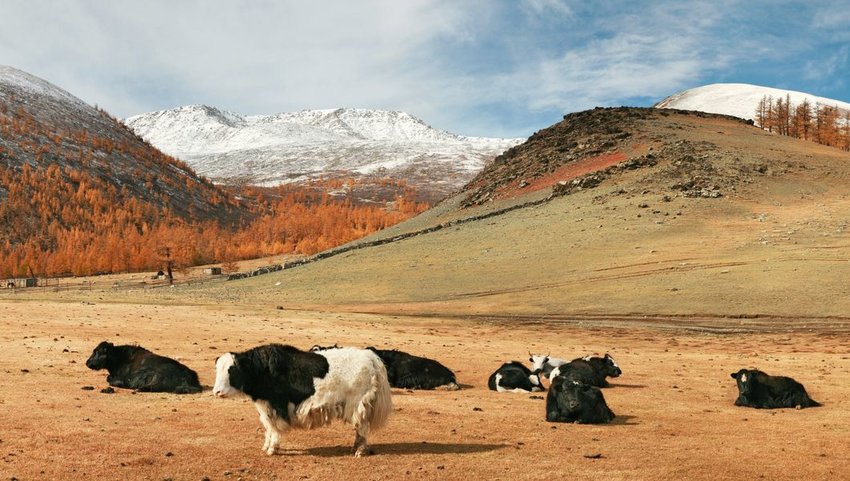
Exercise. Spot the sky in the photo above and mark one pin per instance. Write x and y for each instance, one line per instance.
(495, 68)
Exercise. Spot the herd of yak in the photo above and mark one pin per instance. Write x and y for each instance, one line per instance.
(292, 388)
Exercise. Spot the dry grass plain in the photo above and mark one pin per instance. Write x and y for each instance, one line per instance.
(674, 405)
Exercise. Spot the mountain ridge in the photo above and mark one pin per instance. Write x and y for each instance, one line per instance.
(302, 145)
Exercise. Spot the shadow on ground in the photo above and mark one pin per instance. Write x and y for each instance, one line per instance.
(405, 448)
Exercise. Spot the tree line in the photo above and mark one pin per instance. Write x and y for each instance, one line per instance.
(69, 207)
(73, 229)
(824, 124)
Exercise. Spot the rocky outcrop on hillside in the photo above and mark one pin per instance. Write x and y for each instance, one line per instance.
(580, 135)
(586, 148)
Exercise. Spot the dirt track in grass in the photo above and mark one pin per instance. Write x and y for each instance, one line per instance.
(675, 417)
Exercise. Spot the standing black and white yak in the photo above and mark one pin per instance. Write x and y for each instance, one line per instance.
(296, 389)
(570, 401)
(413, 372)
(514, 377)
(135, 367)
(591, 370)
(759, 390)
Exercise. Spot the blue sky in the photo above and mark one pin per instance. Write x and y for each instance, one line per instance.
(474, 67)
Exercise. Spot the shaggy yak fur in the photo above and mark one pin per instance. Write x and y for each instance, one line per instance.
(296, 389)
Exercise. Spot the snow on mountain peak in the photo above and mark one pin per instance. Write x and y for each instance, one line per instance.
(739, 100)
(271, 149)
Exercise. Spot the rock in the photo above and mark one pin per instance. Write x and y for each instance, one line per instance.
(87, 388)
(107, 390)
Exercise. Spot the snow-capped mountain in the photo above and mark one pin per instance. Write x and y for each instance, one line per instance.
(293, 146)
(739, 100)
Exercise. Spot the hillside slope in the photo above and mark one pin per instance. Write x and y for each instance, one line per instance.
(739, 100)
(45, 125)
(297, 146)
(70, 174)
(703, 215)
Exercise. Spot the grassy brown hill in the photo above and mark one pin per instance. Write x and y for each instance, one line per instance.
(612, 212)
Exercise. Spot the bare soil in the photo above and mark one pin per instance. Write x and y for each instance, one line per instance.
(674, 402)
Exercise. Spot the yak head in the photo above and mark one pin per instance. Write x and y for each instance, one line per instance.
(229, 377)
(538, 361)
(611, 367)
(744, 379)
(99, 358)
(574, 394)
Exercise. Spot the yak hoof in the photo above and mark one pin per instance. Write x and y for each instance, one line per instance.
(363, 451)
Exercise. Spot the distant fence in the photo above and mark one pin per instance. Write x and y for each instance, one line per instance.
(73, 284)
(256, 272)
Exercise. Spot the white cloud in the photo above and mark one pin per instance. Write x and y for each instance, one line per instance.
(831, 67)
(478, 67)
(652, 56)
(538, 7)
(248, 56)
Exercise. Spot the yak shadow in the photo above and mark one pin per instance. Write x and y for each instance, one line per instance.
(401, 391)
(633, 386)
(398, 449)
(623, 420)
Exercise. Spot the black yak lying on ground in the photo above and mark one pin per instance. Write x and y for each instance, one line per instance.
(134, 367)
(591, 370)
(575, 402)
(413, 372)
(759, 390)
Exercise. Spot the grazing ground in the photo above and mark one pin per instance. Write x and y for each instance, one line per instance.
(715, 246)
(675, 417)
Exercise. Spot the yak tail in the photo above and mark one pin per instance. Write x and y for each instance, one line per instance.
(379, 401)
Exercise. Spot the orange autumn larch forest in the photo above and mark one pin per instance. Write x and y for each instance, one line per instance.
(62, 217)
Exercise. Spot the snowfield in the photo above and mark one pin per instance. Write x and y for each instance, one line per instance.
(293, 146)
(739, 100)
